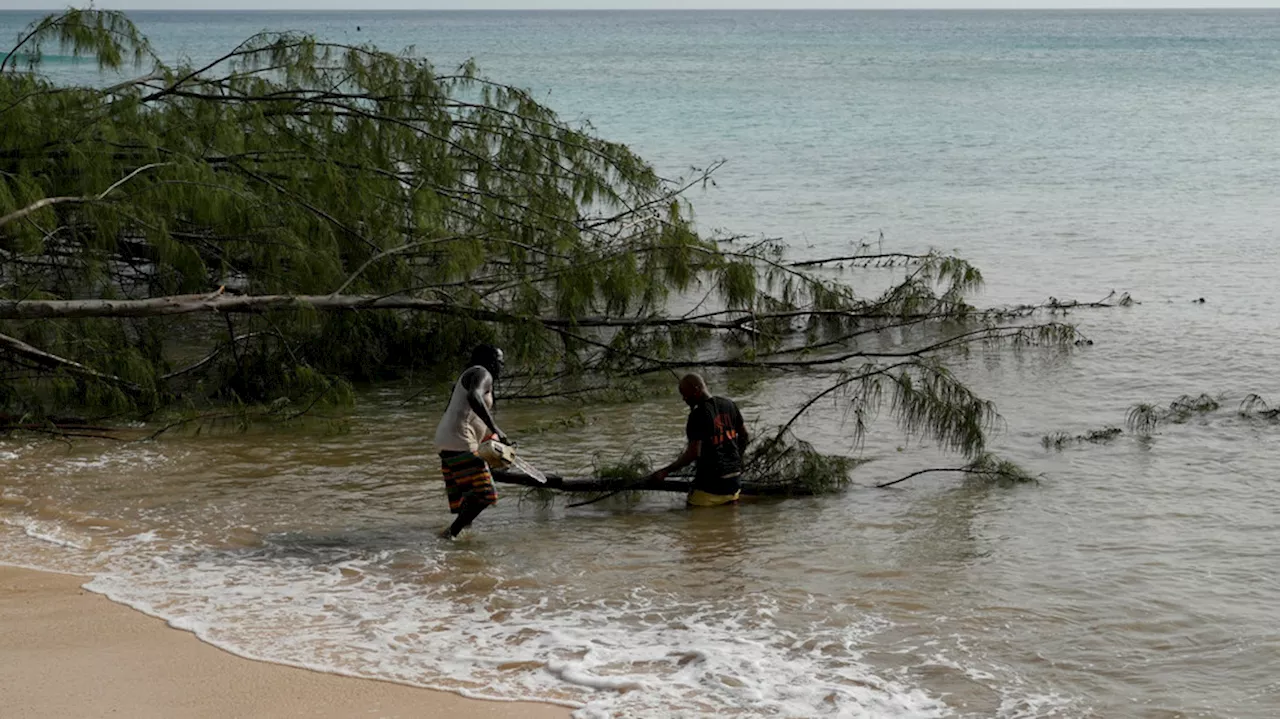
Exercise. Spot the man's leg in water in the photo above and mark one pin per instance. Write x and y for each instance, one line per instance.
(471, 508)
(469, 486)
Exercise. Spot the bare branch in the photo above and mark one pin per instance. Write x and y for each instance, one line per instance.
(393, 251)
(22, 349)
(214, 354)
(46, 202)
(861, 258)
(961, 470)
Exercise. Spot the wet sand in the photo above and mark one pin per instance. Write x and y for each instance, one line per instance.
(67, 652)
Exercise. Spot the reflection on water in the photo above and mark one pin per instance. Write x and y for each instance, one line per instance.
(711, 537)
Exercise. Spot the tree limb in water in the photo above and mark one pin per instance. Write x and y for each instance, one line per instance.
(617, 485)
(986, 466)
(380, 218)
(59, 427)
(214, 354)
(22, 349)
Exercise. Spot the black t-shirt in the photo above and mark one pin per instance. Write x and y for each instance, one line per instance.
(716, 422)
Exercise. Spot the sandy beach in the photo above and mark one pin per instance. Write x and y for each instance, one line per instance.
(67, 652)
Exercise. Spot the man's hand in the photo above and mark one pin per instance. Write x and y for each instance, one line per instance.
(656, 477)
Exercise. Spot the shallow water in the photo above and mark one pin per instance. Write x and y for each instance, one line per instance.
(1067, 154)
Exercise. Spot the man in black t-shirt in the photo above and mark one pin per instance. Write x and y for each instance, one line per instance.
(717, 442)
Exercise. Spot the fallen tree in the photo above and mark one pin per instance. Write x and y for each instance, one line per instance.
(614, 485)
(275, 224)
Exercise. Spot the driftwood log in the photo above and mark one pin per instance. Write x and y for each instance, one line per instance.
(671, 484)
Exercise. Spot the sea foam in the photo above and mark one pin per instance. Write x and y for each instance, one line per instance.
(644, 654)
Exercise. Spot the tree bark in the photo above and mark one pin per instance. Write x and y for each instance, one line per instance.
(593, 484)
(224, 303)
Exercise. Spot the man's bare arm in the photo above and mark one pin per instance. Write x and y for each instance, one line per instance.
(685, 459)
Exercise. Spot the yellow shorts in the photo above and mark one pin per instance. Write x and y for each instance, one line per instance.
(699, 498)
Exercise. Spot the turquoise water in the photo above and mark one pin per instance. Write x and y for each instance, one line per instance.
(1066, 153)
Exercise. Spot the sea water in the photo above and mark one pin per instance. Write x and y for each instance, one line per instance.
(1067, 154)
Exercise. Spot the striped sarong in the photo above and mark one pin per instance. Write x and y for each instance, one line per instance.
(466, 475)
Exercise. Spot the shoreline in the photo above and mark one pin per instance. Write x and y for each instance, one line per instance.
(71, 652)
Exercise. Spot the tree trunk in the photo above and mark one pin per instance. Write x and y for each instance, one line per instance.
(241, 304)
(592, 484)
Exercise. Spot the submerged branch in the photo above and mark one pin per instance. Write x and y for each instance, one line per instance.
(22, 349)
(613, 487)
(994, 472)
(61, 427)
(1059, 440)
(1144, 418)
(462, 208)
(920, 472)
(230, 344)
(881, 257)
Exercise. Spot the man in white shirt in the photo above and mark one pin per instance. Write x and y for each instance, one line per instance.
(467, 421)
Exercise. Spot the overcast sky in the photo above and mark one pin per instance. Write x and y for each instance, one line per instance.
(619, 4)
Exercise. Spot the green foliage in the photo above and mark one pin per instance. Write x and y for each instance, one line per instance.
(108, 36)
(623, 478)
(738, 285)
(785, 464)
(296, 167)
(988, 467)
(1186, 406)
(630, 469)
(1143, 419)
(929, 400)
(1061, 440)
(1254, 406)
